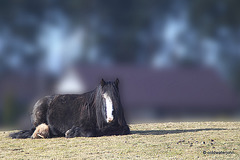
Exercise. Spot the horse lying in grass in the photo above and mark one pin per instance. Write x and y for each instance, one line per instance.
(95, 113)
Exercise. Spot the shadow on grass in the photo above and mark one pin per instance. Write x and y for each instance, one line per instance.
(161, 132)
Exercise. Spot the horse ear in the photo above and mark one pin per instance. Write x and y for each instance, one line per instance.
(103, 82)
(117, 81)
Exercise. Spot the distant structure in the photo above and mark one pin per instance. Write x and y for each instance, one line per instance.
(170, 90)
(153, 92)
(70, 83)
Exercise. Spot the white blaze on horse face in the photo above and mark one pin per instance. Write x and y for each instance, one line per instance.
(109, 107)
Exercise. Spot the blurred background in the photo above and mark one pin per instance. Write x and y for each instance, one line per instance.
(178, 58)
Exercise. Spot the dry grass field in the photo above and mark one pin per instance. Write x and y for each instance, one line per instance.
(180, 140)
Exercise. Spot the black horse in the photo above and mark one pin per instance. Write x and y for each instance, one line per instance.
(95, 113)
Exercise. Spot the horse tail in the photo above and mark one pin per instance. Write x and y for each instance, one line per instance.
(22, 134)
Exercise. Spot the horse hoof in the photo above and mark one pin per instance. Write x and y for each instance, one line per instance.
(67, 134)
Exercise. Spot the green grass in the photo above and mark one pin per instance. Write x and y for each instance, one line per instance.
(180, 140)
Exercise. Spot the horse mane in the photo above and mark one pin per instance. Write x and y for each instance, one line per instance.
(98, 101)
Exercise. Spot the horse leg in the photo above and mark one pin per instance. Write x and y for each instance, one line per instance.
(79, 132)
(73, 132)
(115, 130)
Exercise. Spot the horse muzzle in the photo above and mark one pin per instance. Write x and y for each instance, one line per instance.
(109, 120)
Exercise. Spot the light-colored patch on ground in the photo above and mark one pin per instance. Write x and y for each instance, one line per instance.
(180, 140)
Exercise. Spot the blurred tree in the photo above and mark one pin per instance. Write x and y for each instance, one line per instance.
(114, 29)
(9, 110)
(209, 16)
(220, 20)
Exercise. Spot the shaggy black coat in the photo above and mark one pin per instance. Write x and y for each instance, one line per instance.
(74, 115)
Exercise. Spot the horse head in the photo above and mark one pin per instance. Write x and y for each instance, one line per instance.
(110, 108)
